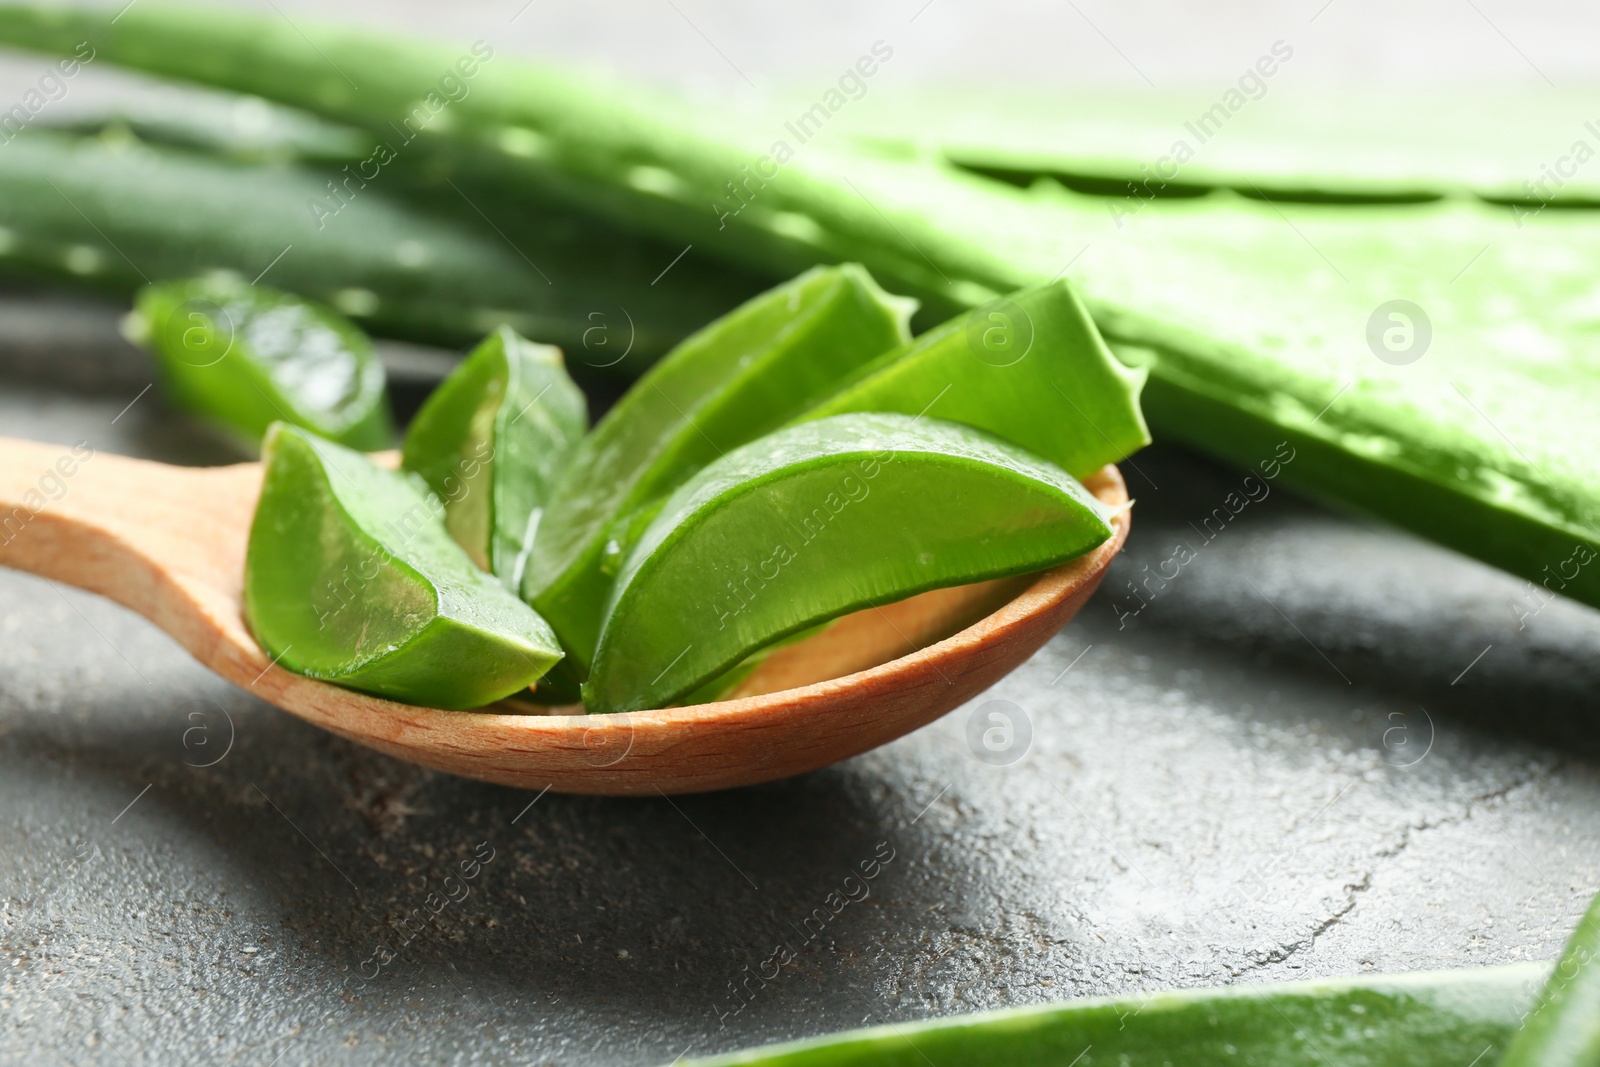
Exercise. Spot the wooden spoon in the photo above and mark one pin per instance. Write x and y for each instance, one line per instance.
(169, 542)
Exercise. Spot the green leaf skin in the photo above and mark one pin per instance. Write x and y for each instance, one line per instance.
(350, 578)
(1562, 1029)
(243, 128)
(1030, 368)
(248, 356)
(738, 378)
(491, 441)
(1336, 145)
(818, 520)
(1429, 1019)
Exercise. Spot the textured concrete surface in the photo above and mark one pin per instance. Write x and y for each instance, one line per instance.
(1292, 761)
(1321, 748)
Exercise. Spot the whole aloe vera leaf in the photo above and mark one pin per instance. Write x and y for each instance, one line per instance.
(1562, 1028)
(243, 128)
(112, 214)
(551, 133)
(1257, 315)
(1428, 1019)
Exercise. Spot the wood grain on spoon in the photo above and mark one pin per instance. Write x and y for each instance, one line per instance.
(169, 543)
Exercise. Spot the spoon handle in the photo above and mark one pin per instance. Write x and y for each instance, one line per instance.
(167, 542)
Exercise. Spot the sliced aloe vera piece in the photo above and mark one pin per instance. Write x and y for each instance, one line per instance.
(1426, 1019)
(1029, 368)
(818, 520)
(350, 578)
(248, 356)
(748, 372)
(491, 442)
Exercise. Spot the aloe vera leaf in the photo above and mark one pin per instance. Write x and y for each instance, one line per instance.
(1483, 443)
(115, 214)
(741, 376)
(550, 133)
(491, 442)
(1243, 304)
(243, 128)
(1427, 1019)
(171, 214)
(1562, 1028)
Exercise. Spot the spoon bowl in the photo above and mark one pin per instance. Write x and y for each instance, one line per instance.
(169, 543)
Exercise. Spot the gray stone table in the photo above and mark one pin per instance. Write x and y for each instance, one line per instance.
(1322, 748)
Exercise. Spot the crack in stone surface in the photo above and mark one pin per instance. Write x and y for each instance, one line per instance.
(1406, 838)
